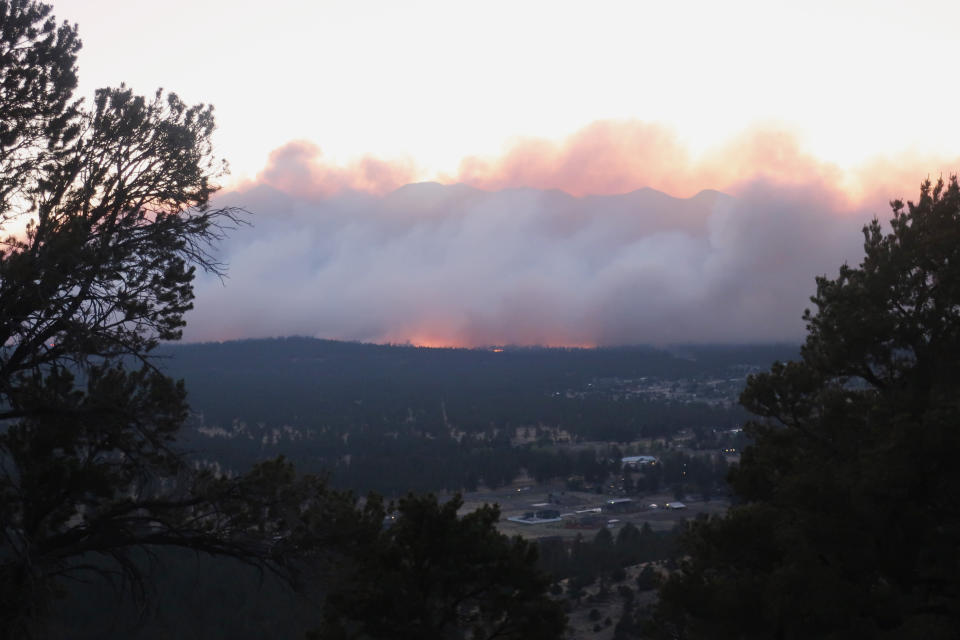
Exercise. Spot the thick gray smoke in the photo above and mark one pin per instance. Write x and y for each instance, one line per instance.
(453, 265)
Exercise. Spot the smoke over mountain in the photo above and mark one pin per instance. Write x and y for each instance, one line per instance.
(499, 255)
(454, 265)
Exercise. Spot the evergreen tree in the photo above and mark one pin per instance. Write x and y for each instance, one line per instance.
(848, 520)
(105, 217)
(434, 574)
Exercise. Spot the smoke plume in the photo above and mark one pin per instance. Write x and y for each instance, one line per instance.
(552, 243)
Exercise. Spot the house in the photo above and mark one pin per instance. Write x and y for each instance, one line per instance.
(619, 505)
(638, 462)
(543, 516)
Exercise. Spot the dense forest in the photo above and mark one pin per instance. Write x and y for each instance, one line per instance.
(400, 418)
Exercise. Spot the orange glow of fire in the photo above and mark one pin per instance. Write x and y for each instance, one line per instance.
(439, 338)
(428, 342)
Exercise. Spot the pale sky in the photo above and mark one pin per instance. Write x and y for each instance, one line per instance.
(432, 82)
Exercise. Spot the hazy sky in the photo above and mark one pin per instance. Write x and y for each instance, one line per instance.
(811, 115)
(437, 81)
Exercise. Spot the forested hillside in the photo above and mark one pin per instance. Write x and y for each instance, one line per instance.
(398, 418)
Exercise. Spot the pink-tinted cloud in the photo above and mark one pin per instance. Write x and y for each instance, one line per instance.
(613, 157)
(603, 158)
(610, 157)
(298, 168)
